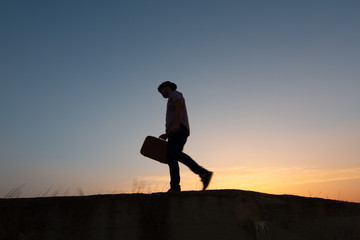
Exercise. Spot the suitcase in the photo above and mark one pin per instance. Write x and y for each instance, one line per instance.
(154, 148)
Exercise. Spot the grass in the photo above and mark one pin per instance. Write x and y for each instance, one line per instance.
(138, 186)
(15, 192)
(141, 186)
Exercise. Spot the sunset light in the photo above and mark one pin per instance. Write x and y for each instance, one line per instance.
(271, 88)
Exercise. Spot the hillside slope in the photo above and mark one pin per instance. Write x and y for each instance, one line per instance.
(215, 214)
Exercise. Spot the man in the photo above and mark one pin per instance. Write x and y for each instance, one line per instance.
(177, 132)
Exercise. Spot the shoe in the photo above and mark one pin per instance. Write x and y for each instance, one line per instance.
(174, 190)
(206, 178)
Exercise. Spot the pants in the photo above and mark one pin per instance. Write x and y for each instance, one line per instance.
(174, 154)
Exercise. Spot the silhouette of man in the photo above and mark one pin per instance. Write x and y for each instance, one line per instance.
(177, 132)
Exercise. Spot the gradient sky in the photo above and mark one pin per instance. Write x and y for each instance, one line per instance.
(272, 91)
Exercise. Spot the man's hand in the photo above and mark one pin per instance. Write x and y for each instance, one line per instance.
(163, 136)
(175, 128)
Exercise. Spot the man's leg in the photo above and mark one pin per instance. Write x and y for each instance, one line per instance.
(204, 174)
(190, 163)
(174, 148)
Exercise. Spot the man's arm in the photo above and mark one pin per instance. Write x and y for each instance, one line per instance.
(179, 110)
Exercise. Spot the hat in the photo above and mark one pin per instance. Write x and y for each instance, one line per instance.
(167, 84)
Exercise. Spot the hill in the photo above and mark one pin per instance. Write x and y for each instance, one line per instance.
(215, 214)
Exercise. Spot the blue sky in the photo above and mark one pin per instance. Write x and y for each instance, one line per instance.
(267, 84)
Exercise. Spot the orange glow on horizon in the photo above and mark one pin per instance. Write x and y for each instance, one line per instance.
(337, 184)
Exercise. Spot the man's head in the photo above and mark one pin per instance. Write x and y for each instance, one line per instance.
(166, 88)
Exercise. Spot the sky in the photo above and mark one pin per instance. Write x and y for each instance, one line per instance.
(271, 87)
